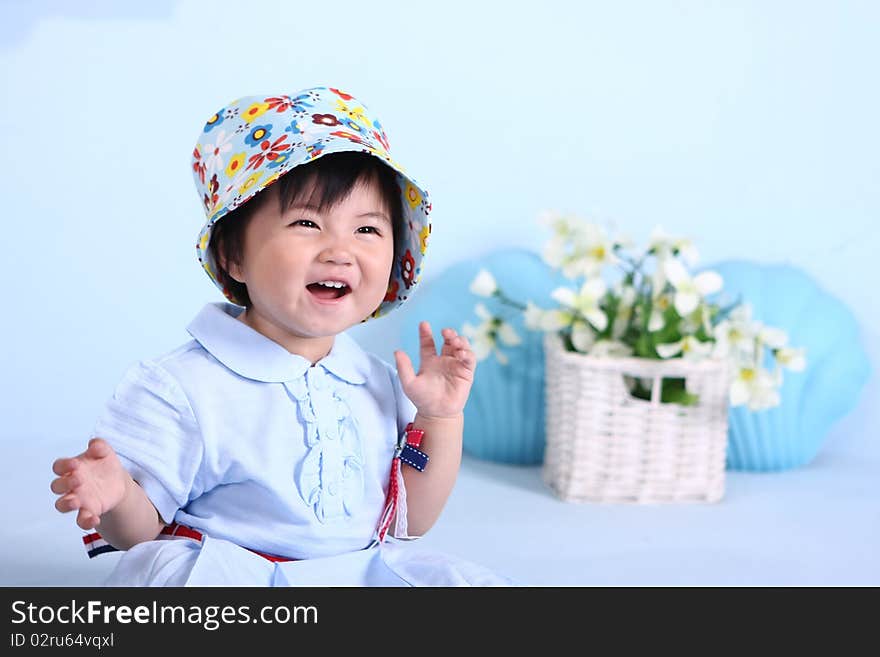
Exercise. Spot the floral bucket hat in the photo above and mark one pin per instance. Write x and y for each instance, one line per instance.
(251, 142)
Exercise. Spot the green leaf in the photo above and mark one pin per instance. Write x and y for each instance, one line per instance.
(673, 391)
(670, 331)
(644, 347)
(640, 390)
(702, 335)
(609, 306)
(646, 304)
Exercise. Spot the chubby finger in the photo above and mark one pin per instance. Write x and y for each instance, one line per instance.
(450, 337)
(467, 358)
(87, 519)
(64, 465)
(426, 341)
(449, 347)
(454, 340)
(98, 448)
(459, 347)
(453, 343)
(69, 502)
(405, 370)
(65, 484)
(463, 369)
(464, 350)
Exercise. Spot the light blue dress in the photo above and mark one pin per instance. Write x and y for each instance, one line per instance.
(236, 437)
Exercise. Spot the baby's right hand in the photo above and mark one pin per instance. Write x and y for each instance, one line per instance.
(92, 483)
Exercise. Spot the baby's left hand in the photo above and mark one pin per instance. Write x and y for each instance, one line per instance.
(443, 383)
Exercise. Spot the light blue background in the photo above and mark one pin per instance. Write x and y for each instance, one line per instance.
(749, 126)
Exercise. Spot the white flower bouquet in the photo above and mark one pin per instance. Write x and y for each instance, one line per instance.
(642, 303)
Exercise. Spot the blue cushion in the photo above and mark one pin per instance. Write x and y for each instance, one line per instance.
(504, 415)
(791, 434)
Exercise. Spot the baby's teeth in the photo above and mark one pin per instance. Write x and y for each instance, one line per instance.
(331, 284)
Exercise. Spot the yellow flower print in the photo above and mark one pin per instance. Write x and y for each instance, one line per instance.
(356, 114)
(423, 238)
(207, 267)
(413, 196)
(275, 176)
(381, 153)
(394, 163)
(235, 164)
(255, 111)
(215, 208)
(250, 181)
(203, 243)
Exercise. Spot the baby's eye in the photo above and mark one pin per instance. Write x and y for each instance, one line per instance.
(308, 223)
(366, 230)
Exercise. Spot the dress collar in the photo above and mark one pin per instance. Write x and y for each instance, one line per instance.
(252, 355)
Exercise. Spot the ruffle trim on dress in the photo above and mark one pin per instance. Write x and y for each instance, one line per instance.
(331, 479)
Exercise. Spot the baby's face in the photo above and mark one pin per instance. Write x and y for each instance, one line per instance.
(288, 254)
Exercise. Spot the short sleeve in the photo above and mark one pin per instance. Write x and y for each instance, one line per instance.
(406, 410)
(149, 423)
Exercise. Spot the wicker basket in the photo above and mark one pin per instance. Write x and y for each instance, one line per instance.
(604, 445)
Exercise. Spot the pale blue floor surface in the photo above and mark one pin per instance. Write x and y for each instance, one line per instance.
(816, 525)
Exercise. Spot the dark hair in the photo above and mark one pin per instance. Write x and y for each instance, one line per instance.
(334, 176)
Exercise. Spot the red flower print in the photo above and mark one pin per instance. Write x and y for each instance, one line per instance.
(382, 139)
(350, 136)
(279, 103)
(268, 152)
(315, 150)
(342, 95)
(198, 165)
(407, 268)
(210, 199)
(391, 294)
(325, 119)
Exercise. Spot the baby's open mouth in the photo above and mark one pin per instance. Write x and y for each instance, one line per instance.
(328, 289)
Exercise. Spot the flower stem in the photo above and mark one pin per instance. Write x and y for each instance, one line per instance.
(507, 300)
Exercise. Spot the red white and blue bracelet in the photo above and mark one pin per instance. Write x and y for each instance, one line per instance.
(407, 448)
(407, 451)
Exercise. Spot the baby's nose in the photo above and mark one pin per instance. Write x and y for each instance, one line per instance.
(337, 254)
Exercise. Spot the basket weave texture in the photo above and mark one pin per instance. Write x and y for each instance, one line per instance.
(604, 445)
